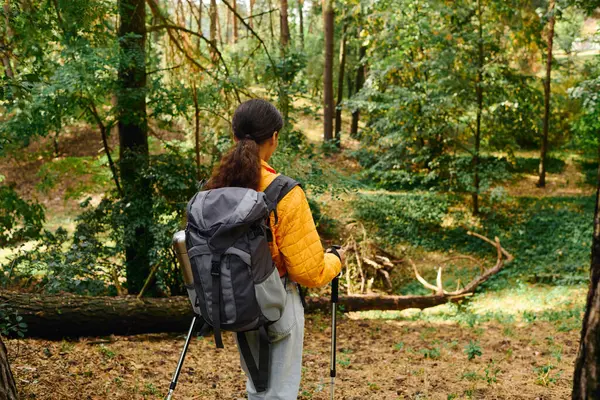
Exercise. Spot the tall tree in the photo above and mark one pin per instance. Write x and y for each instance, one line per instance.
(284, 43)
(251, 20)
(546, 120)
(340, 88)
(8, 390)
(283, 24)
(328, 105)
(586, 380)
(358, 84)
(213, 29)
(235, 22)
(133, 140)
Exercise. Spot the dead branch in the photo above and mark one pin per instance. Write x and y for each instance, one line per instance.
(503, 257)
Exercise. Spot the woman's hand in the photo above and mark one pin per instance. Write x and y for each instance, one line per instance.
(340, 252)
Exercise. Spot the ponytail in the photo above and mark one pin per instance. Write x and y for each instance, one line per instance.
(254, 122)
(240, 167)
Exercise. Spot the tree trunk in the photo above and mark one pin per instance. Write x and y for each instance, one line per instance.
(284, 28)
(133, 139)
(546, 121)
(67, 315)
(228, 36)
(340, 88)
(251, 20)
(200, 6)
(8, 389)
(235, 22)
(301, 22)
(586, 380)
(220, 28)
(284, 42)
(5, 42)
(328, 106)
(479, 93)
(271, 28)
(213, 30)
(197, 132)
(359, 82)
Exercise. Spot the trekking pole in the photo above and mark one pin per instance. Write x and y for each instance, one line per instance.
(182, 358)
(334, 299)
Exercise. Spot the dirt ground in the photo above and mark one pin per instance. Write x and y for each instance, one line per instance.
(377, 359)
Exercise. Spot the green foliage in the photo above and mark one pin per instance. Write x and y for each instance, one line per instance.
(472, 350)
(419, 99)
(19, 219)
(491, 372)
(74, 171)
(11, 323)
(431, 353)
(551, 235)
(91, 260)
(544, 375)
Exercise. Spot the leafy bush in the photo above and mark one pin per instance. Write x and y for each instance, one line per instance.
(472, 350)
(20, 219)
(11, 322)
(68, 169)
(91, 260)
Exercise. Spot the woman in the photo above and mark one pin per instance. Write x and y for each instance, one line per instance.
(296, 247)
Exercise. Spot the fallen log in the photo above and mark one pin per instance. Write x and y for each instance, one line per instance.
(67, 315)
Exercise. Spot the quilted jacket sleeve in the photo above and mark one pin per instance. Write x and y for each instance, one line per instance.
(299, 244)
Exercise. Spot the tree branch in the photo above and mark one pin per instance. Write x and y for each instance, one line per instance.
(94, 112)
(236, 14)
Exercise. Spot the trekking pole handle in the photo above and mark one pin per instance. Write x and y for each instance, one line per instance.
(335, 283)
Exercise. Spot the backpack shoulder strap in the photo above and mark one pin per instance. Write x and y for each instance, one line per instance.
(278, 189)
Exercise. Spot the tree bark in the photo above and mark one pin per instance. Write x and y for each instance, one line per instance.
(8, 389)
(284, 42)
(283, 24)
(586, 379)
(228, 36)
(235, 22)
(133, 139)
(197, 132)
(479, 94)
(546, 121)
(213, 30)
(328, 105)
(271, 28)
(251, 20)
(340, 88)
(66, 315)
(359, 82)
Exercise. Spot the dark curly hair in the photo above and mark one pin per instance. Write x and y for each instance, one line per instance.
(254, 122)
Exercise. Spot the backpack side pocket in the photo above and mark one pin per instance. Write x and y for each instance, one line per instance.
(271, 296)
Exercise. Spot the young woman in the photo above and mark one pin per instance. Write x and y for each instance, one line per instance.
(296, 247)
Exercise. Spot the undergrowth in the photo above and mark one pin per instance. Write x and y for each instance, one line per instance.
(550, 237)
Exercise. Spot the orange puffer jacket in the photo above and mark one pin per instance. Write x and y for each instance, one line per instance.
(296, 248)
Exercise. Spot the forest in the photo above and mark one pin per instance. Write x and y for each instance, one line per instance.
(451, 147)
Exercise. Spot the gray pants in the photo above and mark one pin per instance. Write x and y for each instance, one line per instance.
(287, 338)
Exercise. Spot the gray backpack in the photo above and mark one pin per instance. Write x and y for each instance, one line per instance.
(236, 283)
